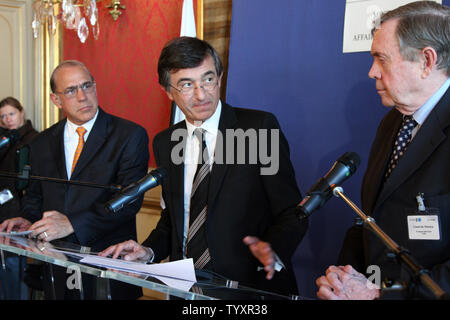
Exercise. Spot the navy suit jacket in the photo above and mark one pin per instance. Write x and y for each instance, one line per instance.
(425, 168)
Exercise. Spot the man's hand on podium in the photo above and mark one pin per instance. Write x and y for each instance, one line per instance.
(53, 225)
(17, 224)
(129, 250)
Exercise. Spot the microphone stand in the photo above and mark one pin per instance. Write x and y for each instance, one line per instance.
(25, 175)
(401, 253)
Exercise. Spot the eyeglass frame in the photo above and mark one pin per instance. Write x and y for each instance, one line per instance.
(76, 88)
(216, 82)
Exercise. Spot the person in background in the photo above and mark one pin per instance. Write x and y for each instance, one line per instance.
(12, 116)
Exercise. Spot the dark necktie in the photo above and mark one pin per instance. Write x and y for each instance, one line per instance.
(196, 244)
(401, 143)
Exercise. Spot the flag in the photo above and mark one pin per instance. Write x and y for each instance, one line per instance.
(187, 29)
(188, 20)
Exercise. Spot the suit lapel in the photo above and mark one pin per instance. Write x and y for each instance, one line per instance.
(59, 153)
(94, 142)
(227, 121)
(176, 177)
(378, 162)
(428, 138)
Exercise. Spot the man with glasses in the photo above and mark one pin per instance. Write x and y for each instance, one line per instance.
(88, 145)
(227, 214)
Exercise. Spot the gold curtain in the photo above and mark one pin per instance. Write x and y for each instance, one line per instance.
(216, 30)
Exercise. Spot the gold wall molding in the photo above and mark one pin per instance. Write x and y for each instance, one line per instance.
(200, 19)
(49, 55)
(216, 30)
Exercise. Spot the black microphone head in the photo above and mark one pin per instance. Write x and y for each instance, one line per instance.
(134, 190)
(351, 160)
(159, 173)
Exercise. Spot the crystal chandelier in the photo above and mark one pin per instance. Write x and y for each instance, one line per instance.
(74, 14)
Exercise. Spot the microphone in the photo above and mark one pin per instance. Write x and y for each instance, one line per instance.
(321, 192)
(133, 191)
(9, 139)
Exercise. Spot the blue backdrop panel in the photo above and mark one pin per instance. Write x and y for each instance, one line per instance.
(286, 57)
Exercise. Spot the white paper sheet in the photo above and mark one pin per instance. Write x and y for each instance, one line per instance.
(14, 233)
(177, 274)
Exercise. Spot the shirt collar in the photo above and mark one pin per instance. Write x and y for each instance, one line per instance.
(422, 113)
(72, 127)
(210, 125)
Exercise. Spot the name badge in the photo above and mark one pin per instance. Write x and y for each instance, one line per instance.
(424, 227)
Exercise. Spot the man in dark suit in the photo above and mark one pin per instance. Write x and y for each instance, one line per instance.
(406, 186)
(89, 145)
(250, 203)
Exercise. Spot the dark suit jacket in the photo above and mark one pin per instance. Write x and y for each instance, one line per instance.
(10, 162)
(116, 152)
(241, 202)
(425, 167)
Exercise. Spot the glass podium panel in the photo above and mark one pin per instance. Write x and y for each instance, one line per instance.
(209, 286)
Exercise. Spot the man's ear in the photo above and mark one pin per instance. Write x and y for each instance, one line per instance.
(56, 100)
(429, 60)
(169, 94)
(220, 80)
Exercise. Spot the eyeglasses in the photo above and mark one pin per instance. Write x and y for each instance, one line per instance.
(187, 88)
(10, 114)
(86, 87)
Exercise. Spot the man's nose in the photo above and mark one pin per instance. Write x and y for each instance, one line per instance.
(81, 95)
(374, 73)
(199, 92)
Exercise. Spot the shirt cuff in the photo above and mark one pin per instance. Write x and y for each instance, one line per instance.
(278, 263)
(152, 255)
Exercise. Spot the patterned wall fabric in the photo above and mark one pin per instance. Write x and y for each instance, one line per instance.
(124, 60)
(216, 29)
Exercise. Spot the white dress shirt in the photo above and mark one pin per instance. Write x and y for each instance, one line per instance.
(423, 112)
(71, 138)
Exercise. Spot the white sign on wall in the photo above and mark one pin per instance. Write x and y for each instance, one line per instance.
(360, 16)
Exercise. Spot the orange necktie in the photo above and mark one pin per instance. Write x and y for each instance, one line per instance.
(81, 131)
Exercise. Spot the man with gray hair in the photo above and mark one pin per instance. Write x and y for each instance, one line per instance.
(406, 186)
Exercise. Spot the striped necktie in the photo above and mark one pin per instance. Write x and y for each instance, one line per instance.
(196, 244)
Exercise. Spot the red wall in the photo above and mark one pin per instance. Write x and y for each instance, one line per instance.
(124, 60)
